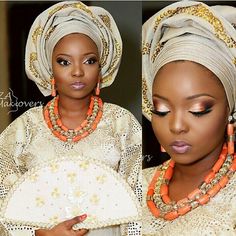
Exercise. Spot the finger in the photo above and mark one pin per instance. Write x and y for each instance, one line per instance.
(69, 223)
(81, 232)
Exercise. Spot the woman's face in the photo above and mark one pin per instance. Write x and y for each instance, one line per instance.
(190, 111)
(75, 65)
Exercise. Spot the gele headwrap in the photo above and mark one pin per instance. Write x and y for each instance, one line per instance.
(189, 30)
(65, 18)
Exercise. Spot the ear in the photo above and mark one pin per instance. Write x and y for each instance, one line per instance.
(227, 115)
(97, 89)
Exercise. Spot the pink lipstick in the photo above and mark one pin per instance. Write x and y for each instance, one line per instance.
(78, 85)
(180, 147)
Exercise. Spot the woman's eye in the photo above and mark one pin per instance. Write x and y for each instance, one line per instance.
(201, 113)
(160, 113)
(91, 61)
(63, 62)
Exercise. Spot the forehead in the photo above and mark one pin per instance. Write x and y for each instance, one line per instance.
(186, 78)
(77, 40)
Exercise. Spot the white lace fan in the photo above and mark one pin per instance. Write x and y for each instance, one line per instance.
(60, 190)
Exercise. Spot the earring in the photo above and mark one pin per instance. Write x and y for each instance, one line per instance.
(163, 149)
(53, 93)
(230, 133)
(97, 91)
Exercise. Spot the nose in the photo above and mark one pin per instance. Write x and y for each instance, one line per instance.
(178, 123)
(77, 70)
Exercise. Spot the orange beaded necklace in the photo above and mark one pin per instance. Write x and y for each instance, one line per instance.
(94, 114)
(161, 205)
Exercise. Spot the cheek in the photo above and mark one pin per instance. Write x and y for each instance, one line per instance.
(59, 73)
(160, 129)
(210, 132)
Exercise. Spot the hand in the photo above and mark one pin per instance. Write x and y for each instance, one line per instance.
(64, 228)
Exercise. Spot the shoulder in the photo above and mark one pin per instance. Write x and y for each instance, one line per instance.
(28, 118)
(122, 121)
(119, 114)
(116, 110)
(33, 115)
(148, 173)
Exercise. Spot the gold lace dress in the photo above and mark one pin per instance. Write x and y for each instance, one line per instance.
(216, 218)
(28, 141)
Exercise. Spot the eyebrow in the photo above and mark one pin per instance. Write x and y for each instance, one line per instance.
(87, 53)
(199, 95)
(188, 98)
(159, 96)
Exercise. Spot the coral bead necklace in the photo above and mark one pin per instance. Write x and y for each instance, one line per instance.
(160, 203)
(52, 117)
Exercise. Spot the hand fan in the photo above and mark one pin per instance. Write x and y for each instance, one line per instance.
(61, 189)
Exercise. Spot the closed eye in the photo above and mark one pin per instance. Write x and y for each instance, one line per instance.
(201, 113)
(160, 113)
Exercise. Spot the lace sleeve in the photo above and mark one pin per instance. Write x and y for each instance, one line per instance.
(129, 139)
(13, 140)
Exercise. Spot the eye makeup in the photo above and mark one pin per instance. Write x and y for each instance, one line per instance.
(160, 109)
(62, 61)
(91, 60)
(201, 109)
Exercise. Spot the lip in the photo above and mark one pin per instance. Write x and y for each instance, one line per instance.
(180, 147)
(78, 85)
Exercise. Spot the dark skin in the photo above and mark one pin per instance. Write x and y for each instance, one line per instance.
(75, 59)
(75, 66)
(64, 228)
(190, 105)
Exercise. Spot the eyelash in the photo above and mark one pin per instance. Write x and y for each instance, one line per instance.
(63, 62)
(201, 113)
(197, 114)
(160, 113)
(91, 61)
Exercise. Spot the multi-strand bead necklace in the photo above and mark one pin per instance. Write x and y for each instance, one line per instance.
(159, 201)
(52, 117)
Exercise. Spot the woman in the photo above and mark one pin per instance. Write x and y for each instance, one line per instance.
(189, 73)
(72, 51)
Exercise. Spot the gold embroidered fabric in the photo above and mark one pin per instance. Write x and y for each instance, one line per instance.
(116, 142)
(217, 217)
(192, 31)
(64, 18)
(72, 186)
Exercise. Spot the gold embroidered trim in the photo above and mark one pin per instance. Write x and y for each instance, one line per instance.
(106, 20)
(104, 56)
(104, 53)
(116, 58)
(49, 32)
(38, 31)
(33, 58)
(79, 5)
(146, 48)
(199, 11)
(146, 105)
(156, 52)
(113, 65)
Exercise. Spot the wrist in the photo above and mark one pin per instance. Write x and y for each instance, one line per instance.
(41, 232)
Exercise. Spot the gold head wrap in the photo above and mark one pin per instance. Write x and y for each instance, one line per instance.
(189, 30)
(65, 18)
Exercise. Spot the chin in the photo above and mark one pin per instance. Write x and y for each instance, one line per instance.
(182, 159)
